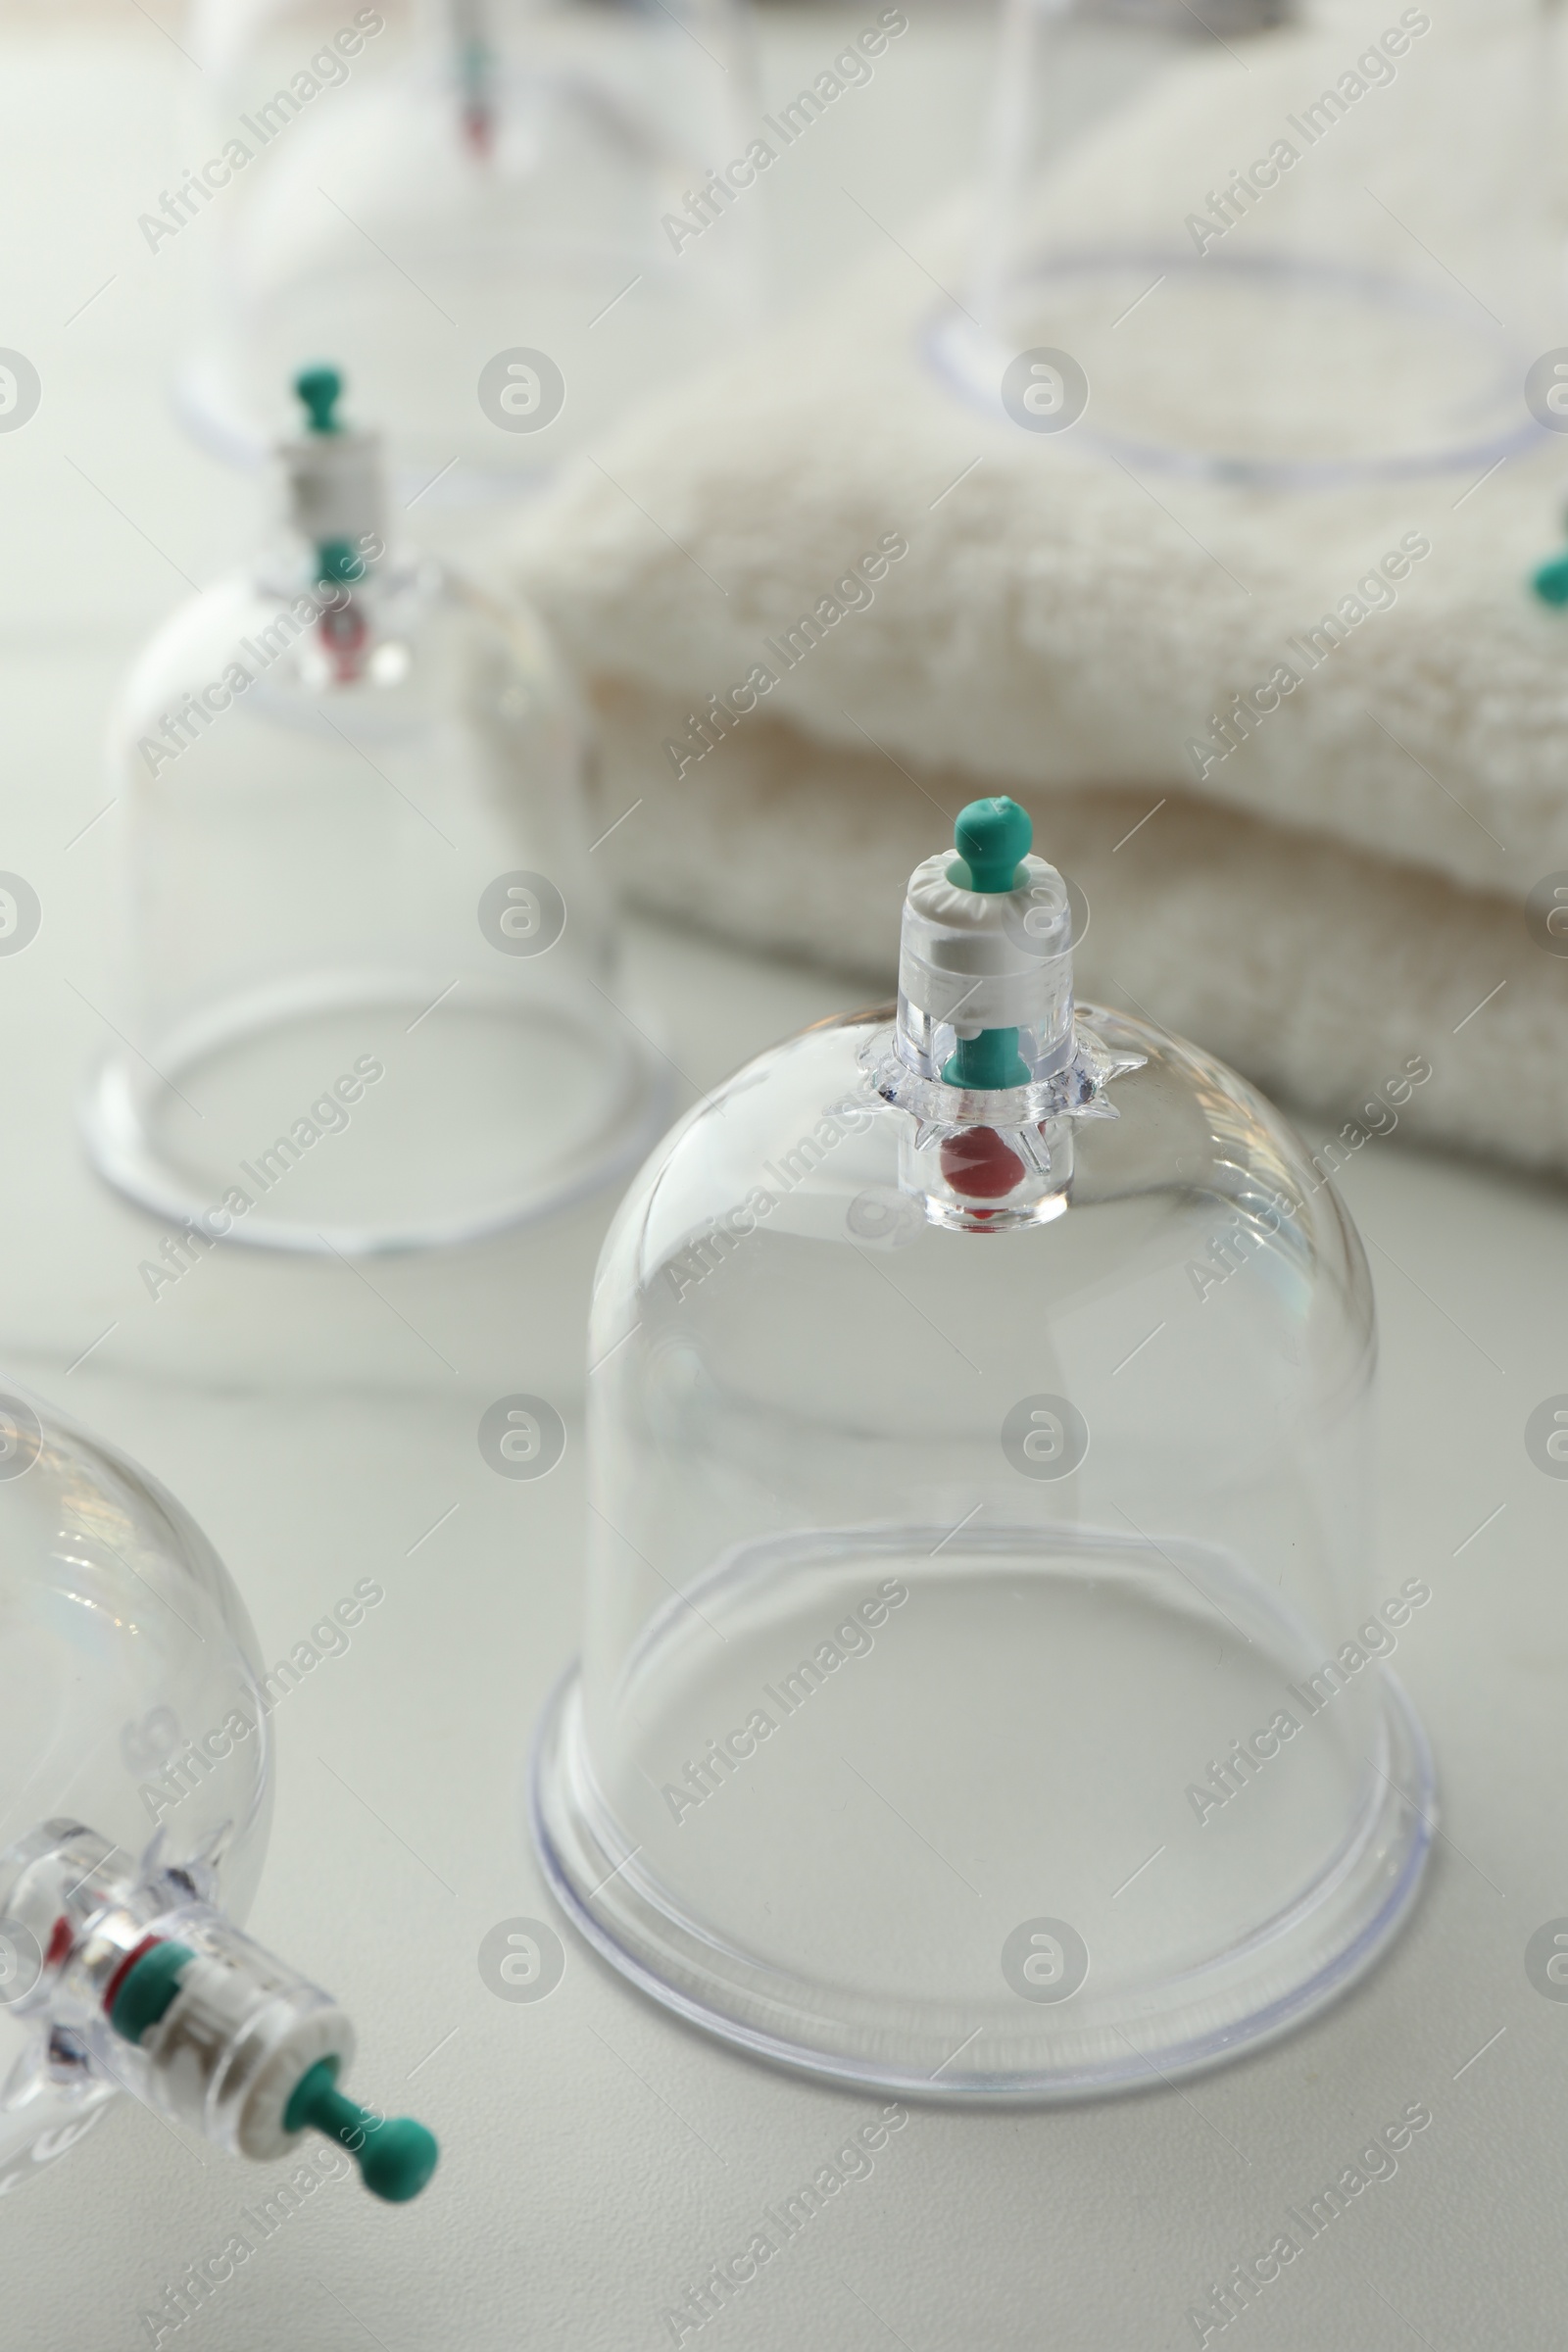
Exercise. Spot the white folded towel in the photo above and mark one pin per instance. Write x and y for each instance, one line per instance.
(1343, 893)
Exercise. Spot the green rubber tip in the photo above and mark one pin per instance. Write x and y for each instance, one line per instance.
(147, 1989)
(400, 2160)
(321, 389)
(992, 1059)
(395, 2157)
(338, 560)
(1550, 582)
(992, 838)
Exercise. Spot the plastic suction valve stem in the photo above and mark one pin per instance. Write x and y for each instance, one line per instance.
(167, 1998)
(335, 481)
(984, 962)
(989, 1058)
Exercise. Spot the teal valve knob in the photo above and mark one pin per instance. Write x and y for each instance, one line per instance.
(321, 389)
(992, 838)
(395, 2157)
(992, 1060)
(1550, 582)
(142, 1989)
(338, 560)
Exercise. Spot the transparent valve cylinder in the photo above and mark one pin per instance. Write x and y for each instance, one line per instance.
(370, 993)
(982, 1688)
(1271, 243)
(473, 204)
(136, 1797)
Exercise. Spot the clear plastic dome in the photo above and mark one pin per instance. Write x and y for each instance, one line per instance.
(136, 1795)
(478, 226)
(981, 1690)
(1241, 242)
(371, 990)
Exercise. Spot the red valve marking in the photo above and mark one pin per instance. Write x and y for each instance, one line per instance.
(345, 630)
(978, 1164)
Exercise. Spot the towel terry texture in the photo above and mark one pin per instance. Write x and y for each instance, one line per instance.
(995, 609)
